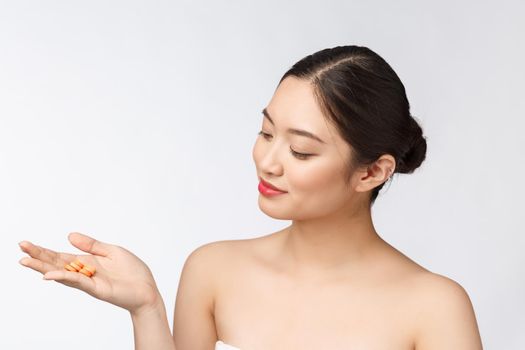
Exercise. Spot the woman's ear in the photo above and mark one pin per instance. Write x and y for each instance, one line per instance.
(375, 174)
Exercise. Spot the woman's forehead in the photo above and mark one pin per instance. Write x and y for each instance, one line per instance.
(294, 105)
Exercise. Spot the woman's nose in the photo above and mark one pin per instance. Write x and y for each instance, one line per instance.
(270, 162)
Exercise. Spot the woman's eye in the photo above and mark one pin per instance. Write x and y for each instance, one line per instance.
(302, 156)
(265, 135)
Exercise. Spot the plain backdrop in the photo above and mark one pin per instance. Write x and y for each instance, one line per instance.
(132, 121)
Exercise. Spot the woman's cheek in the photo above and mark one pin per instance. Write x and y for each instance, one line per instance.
(310, 178)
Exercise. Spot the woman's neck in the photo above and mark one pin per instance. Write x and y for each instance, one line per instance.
(328, 243)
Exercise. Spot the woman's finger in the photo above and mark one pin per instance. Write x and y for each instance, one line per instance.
(89, 244)
(37, 265)
(38, 252)
(44, 254)
(72, 279)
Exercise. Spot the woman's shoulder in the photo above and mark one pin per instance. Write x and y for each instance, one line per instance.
(433, 303)
(435, 292)
(220, 253)
(243, 245)
(424, 283)
(417, 277)
(442, 305)
(229, 245)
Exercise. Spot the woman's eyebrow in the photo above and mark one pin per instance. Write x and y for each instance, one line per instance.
(294, 131)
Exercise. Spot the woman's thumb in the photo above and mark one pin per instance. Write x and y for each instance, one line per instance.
(89, 244)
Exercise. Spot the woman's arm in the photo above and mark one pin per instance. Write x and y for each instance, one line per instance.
(151, 329)
(193, 320)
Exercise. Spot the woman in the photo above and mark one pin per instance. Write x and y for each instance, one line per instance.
(336, 129)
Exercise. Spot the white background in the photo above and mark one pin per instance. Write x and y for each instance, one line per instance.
(133, 122)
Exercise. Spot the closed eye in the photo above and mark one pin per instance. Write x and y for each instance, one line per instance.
(302, 156)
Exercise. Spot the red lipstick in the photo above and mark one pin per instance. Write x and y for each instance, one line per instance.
(268, 189)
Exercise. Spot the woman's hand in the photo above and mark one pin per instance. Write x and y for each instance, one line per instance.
(121, 278)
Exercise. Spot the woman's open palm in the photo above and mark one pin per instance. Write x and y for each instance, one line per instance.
(121, 278)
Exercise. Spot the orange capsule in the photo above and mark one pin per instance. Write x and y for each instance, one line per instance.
(86, 272)
(77, 267)
(70, 268)
(90, 269)
(79, 263)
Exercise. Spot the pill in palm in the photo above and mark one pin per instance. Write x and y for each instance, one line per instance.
(90, 269)
(86, 272)
(79, 263)
(70, 268)
(76, 266)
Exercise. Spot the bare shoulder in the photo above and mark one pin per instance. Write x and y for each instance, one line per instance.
(444, 314)
(438, 292)
(215, 260)
(438, 311)
(206, 264)
(220, 253)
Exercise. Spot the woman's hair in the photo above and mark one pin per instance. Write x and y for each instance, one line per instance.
(364, 98)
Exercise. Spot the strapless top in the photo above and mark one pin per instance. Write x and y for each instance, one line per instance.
(220, 345)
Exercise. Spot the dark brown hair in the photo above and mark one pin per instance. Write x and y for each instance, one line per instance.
(364, 98)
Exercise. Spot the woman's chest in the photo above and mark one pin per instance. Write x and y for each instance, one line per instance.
(273, 313)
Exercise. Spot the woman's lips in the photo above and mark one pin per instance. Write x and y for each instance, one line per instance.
(267, 189)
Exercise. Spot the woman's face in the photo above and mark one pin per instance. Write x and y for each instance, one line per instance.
(314, 184)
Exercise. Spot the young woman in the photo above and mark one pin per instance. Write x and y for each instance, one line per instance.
(336, 129)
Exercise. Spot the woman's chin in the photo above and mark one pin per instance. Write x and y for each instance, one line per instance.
(274, 210)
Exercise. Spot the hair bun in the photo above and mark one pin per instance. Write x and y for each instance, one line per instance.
(416, 152)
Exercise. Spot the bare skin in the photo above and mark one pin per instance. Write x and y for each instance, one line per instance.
(353, 306)
(264, 301)
(327, 281)
(258, 297)
(121, 278)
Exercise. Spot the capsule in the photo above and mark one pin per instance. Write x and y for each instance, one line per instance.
(86, 272)
(90, 269)
(77, 267)
(70, 268)
(79, 263)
